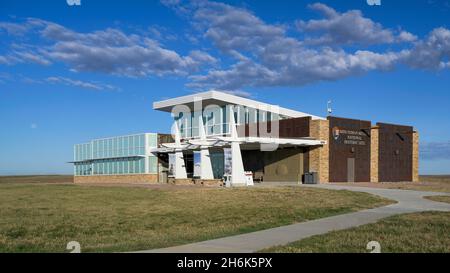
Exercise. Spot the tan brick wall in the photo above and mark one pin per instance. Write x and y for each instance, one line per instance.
(186, 181)
(319, 156)
(374, 154)
(198, 182)
(415, 157)
(209, 182)
(132, 178)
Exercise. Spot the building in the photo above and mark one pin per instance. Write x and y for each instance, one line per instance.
(221, 137)
(118, 159)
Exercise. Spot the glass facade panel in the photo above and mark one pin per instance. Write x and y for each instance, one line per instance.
(152, 140)
(217, 162)
(216, 119)
(152, 164)
(117, 155)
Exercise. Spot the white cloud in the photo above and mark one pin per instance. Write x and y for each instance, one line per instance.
(13, 28)
(79, 83)
(108, 51)
(432, 52)
(32, 57)
(406, 36)
(266, 56)
(259, 54)
(4, 60)
(350, 27)
(239, 93)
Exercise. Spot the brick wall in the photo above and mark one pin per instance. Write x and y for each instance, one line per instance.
(374, 157)
(349, 140)
(132, 178)
(415, 157)
(318, 157)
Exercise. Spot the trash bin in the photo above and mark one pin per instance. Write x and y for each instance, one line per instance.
(310, 178)
(307, 178)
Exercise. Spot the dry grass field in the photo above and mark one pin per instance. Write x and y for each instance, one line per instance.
(42, 179)
(44, 217)
(443, 198)
(437, 183)
(423, 232)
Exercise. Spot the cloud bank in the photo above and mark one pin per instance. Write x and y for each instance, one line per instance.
(262, 54)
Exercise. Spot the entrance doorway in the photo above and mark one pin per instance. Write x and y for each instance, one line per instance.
(350, 170)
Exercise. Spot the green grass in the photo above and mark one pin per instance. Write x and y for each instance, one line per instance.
(45, 217)
(439, 198)
(415, 232)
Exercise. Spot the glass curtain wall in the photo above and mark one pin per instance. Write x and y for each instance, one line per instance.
(216, 119)
(116, 155)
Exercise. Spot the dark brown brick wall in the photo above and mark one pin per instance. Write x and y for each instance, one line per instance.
(340, 151)
(395, 152)
(287, 128)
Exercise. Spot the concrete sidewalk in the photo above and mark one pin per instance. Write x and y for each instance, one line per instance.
(408, 201)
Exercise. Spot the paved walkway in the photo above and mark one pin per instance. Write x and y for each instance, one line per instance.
(408, 201)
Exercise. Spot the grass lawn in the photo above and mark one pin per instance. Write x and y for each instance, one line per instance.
(441, 198)
(45, 217)
(436, 183)
(415, 232)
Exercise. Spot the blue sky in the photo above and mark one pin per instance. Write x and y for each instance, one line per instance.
(72, 73)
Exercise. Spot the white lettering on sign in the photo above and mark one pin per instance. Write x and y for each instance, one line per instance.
(349, 137)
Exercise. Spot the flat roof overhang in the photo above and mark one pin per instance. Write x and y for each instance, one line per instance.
(106, 158)
(221, 99)
(247, 143)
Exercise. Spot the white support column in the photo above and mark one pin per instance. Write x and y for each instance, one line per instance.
(180, 168)
(205, 159)
(237, 166)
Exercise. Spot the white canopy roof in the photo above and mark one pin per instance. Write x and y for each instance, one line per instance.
(225, 141)
(221, 98)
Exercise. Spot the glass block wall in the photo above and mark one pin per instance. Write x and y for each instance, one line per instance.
(117, 155)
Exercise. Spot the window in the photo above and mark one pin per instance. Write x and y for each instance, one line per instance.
(126, 166)
(152, 164)
(141, 165)
(131, 166)
(152, 140)
(136, 166)
(119, 147)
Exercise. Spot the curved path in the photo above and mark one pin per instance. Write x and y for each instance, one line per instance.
(408, 201)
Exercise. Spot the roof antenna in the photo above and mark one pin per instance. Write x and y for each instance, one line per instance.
(329, 110)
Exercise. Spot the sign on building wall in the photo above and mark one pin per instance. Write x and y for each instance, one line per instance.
(349, 137)
(227, 161)
(171, 170)
(197, 164)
